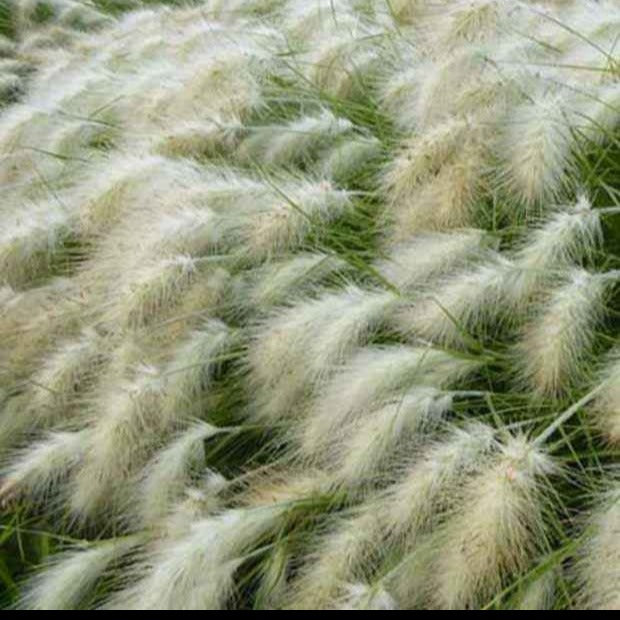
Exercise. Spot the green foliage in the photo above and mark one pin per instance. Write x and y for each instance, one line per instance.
(7, 25)
(23, 548)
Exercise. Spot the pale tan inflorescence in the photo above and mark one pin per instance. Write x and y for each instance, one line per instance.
(294, 294)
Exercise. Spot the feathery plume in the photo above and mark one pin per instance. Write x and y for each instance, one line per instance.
(296, 142)
(496, 529)
(398, 93)
(207, 177)
(607, 405)
(36, 470)
(599, 563)
(408, 11)
(557, 341)
(53, 389)
(32, 13)
(422, 157)
(190, 373)
(197, 571)
(461, 304)
(342, 164)
(279, 486)
(393, 519)
(154, 288)
(340, 63)
(227, 85)
(283, 224)
(125, 427)
(277, 282)
(468, 21)
(600, 110)
(199, 139)
(446, 200)
(536, 148)
(232, 9)
(375, 377)
(68, 581)
(362, 449)
(203, 499)
(63, 375)
(165, 477)
(46, 314)
(297, 347)
(29, 243)
(432, 478)
(115, 186)
(568, 236)
(360, 596)
(453, 73)
(186, 232)
(339, 557)
(303, 20)
(539, 595)
(416, 262)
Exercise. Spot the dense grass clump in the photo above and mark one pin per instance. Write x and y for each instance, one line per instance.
(309, 304)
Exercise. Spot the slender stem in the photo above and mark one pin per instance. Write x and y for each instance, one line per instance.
(567, 415)
(33, 532)
(609, 211)
(501, 427)
(470, 394)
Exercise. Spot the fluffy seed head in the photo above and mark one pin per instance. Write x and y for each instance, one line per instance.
(153, 289)
(557, 341)
(445, 201)
(460, 304)
(299, 346)
(360, 596)
(607, 405)
(375, 378)
(364, 448)
(190, 372)
(431, 478)
(284, 220)
(424, 156)
(599, 564)
(68, 581)
(196, 571)
(278, 282)
(165, 477)
(123, 431)
(472, 21)
(29, 243)
(294, 142)
(540, 594)
(343, 162)
(566, 238)
(338, 558)
(537, 148)
(416, 262)
(495, 530)
(63, 375)
(36, 471)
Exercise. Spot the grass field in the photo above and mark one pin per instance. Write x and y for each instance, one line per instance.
(309, 304)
